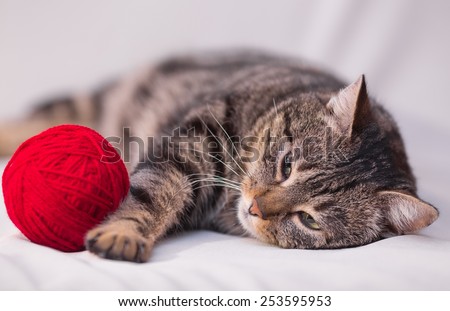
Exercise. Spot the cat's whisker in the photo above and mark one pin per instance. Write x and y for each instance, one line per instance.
(229, 139)
(214, 176)
(215, 185)
(214, 180)
(196, 187)
(275, 105)
(223, 147)
(210, 155)
(188, 184)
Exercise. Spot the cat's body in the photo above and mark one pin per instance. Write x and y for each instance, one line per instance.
(248, 143)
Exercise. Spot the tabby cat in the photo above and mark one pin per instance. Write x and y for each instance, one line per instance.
(245, 143)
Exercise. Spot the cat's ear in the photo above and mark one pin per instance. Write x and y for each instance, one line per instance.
(406, 213)
(349, 110)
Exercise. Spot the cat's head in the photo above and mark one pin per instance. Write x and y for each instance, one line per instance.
(331, 172)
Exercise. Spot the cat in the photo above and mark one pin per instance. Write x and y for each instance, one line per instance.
(245, 143)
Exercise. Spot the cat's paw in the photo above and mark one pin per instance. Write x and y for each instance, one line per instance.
(113, 242)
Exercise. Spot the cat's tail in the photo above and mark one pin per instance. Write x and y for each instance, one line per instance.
(81, 109)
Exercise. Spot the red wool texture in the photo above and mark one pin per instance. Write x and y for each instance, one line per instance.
(61, 183)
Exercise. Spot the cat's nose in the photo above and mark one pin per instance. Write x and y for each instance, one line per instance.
(254, 210)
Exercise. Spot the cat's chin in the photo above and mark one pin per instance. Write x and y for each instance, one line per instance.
(244, 217)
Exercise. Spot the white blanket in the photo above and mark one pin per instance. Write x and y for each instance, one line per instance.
(402, 46)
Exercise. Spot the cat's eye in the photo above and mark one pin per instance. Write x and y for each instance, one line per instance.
(308, 221)
(287, 166)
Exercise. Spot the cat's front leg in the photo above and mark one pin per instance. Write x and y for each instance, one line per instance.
(158, 194)
(120, 240)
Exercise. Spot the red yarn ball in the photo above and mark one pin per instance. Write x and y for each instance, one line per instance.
(61, 183)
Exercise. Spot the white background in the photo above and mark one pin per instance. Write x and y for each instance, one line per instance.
(403, 46)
